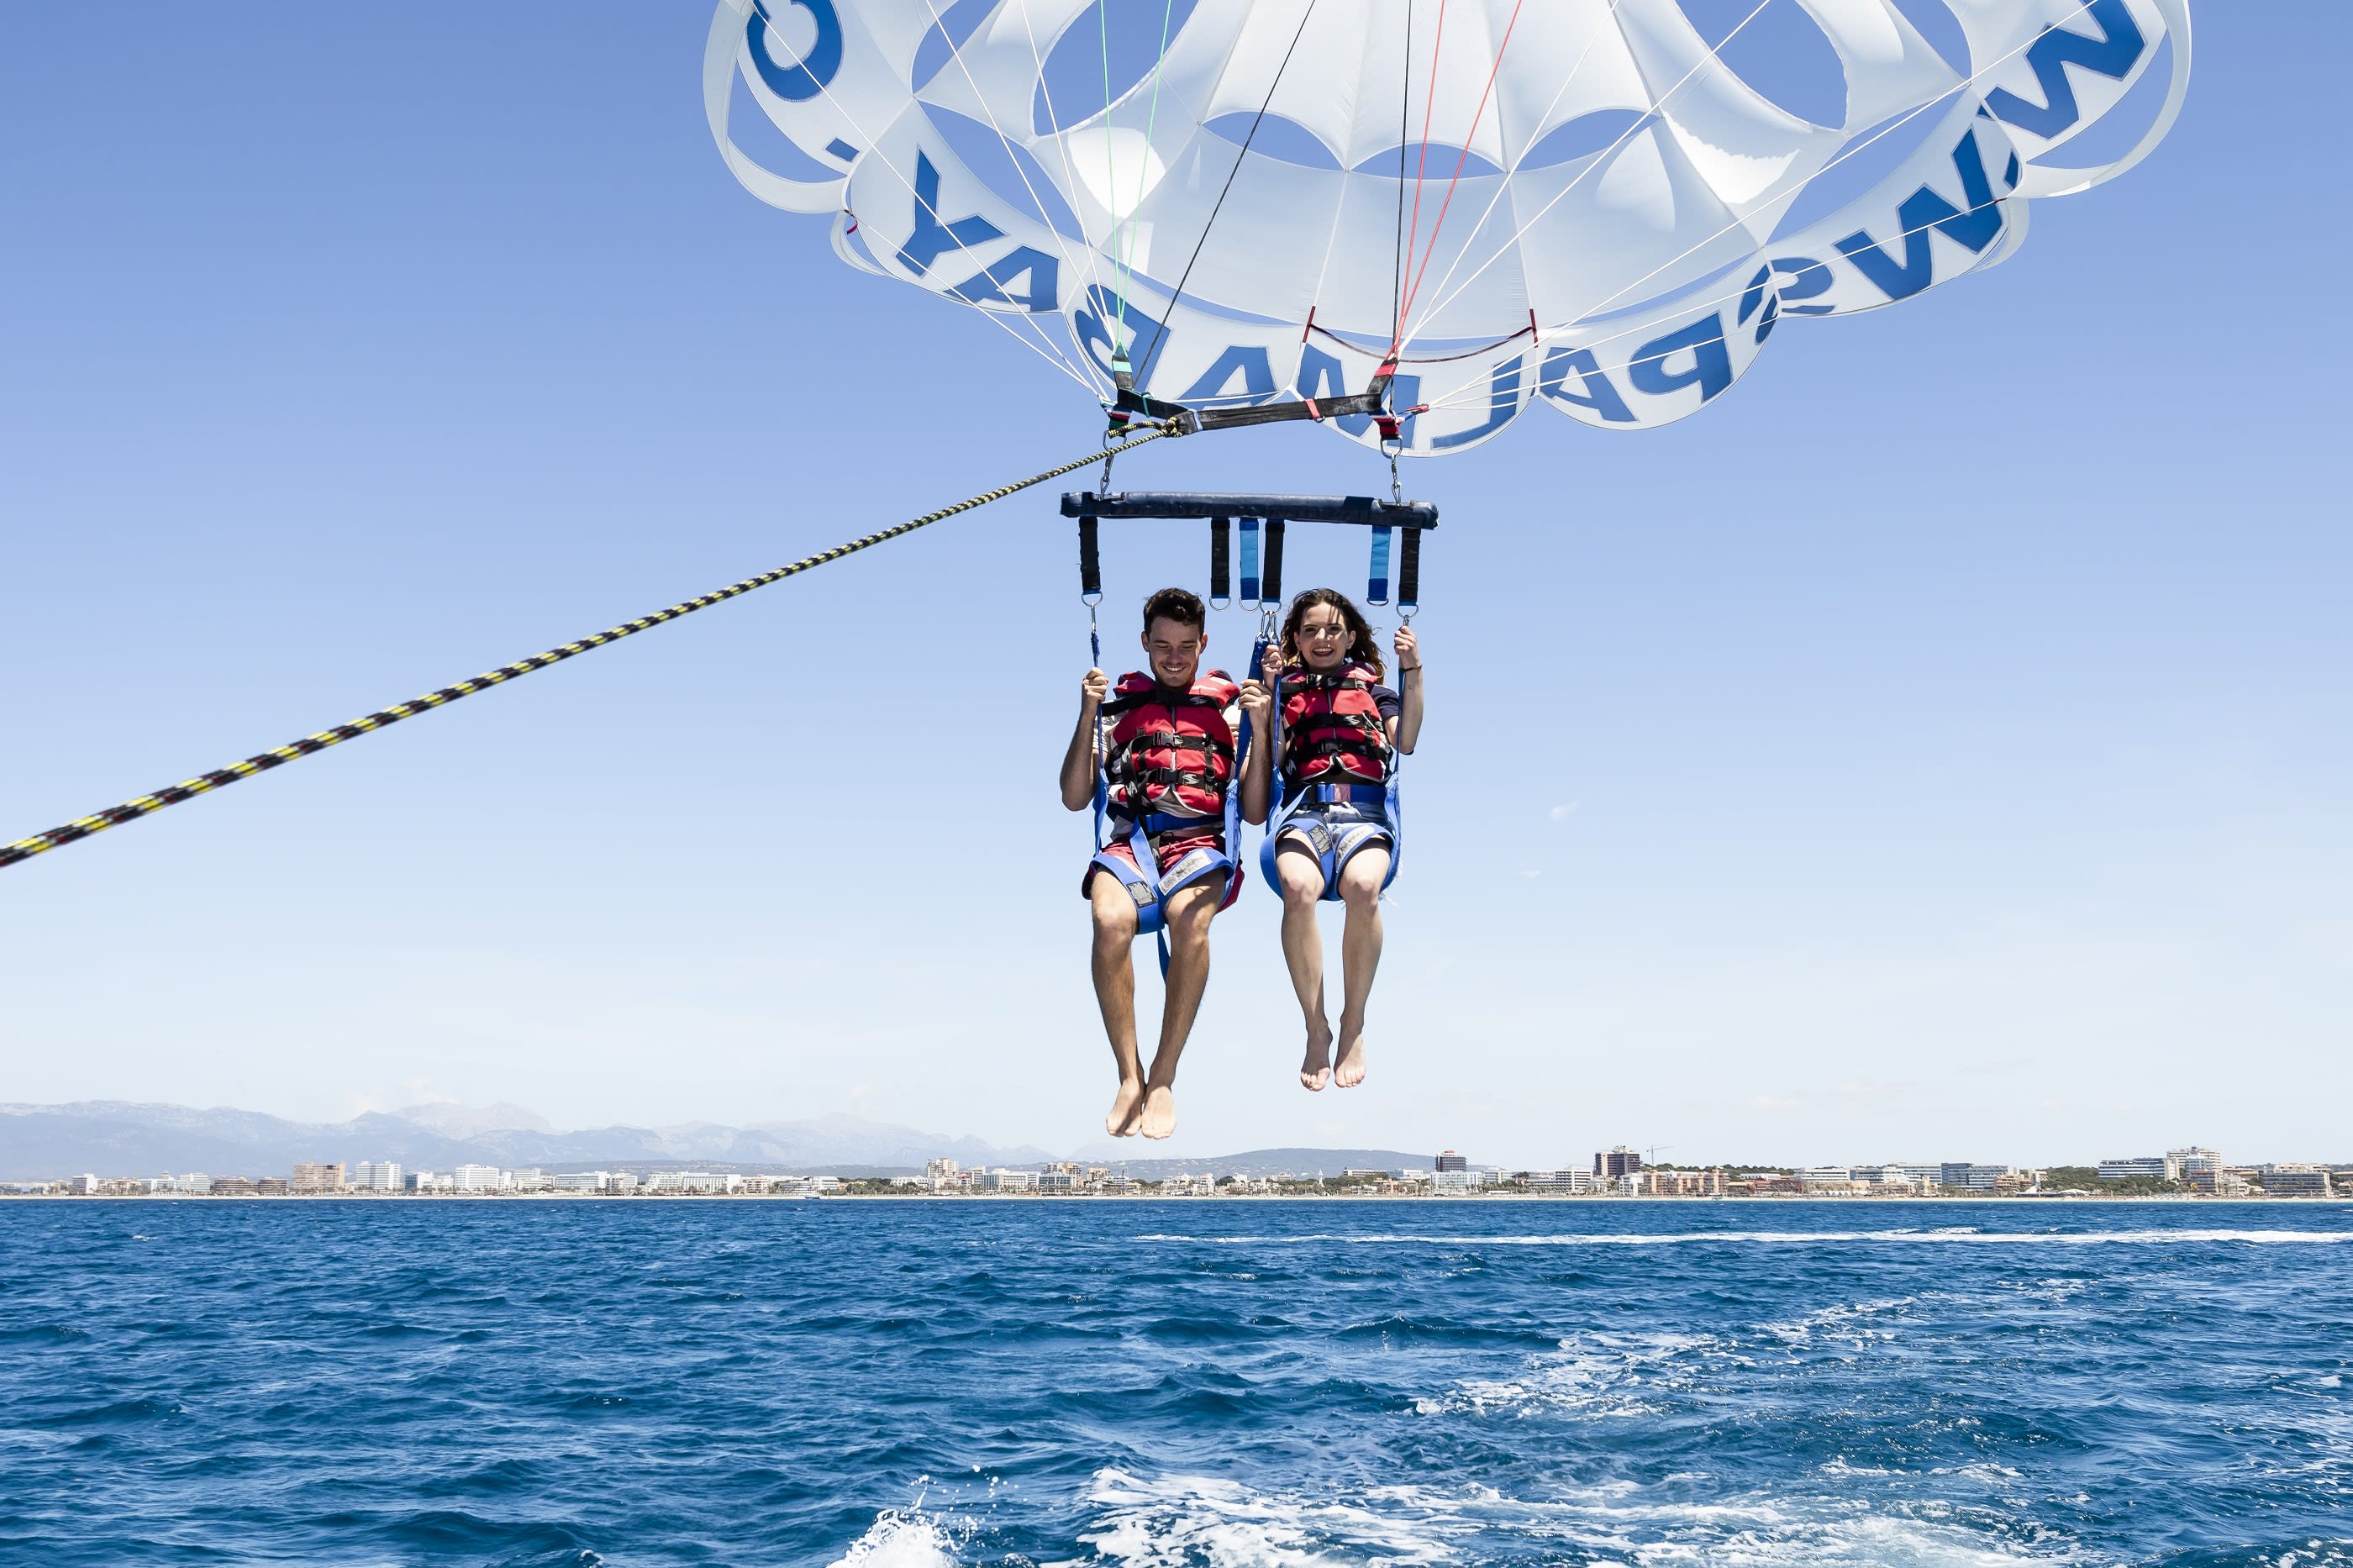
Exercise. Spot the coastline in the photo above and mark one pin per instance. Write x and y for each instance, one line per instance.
(1973, 1199)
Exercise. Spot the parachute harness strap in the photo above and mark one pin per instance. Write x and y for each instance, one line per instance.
(147, 804)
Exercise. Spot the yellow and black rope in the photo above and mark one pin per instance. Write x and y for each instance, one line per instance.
(204, 784)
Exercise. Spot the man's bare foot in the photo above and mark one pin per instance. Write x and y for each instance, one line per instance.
(1348, 1071)
(1159, 1115)
(1121, 1123)
(1317, 1070)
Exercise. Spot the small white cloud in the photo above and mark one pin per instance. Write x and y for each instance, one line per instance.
(1532, 875)
(1563, 812)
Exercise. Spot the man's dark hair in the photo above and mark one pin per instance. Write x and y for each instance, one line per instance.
(1175, 604)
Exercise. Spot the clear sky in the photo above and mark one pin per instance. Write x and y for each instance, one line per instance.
(1943, 747)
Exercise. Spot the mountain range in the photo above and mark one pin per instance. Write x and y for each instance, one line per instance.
(124, 1138)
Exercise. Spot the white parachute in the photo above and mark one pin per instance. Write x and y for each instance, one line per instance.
(1607, 206)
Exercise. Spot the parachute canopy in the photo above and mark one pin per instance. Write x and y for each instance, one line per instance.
(1605, 205)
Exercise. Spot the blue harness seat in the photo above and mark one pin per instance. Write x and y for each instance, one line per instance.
(1149, 886)
(1335, 844)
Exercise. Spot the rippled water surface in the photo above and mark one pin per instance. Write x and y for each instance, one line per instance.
(908, 1384)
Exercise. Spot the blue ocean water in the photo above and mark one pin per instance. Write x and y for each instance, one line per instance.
(1214, 1383)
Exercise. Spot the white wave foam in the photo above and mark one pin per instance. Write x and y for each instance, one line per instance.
(1961, 1237)
(1847, 1322)
(1181, 1522)
(1198, 1522)
(1601, 1376)
(897, 1540)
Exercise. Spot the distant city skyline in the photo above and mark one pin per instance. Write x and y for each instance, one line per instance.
(355, 1155)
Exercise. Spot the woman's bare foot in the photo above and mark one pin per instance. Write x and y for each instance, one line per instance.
(1158, 1117)
(1348, 1071)
(1121, 1123)
(1317, 1070)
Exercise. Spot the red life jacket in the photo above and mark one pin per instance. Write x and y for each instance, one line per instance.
(1331, 729)
(1169, 752)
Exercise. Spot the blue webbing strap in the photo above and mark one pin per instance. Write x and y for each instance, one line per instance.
(1376, 586)
(1250, 561)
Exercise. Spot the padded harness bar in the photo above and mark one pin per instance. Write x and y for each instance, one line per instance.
(1370, 511)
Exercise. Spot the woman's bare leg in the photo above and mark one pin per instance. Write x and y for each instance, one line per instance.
(1360, 956)
(1303, 949)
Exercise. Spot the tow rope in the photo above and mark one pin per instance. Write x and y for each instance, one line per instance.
(146, 804)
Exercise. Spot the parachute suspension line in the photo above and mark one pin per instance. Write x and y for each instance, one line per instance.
(1502, 185)
(1600, 159)
(981, 98)
(1429, 103)
(220, 778)
(1123, 250)
(1040, 345)
(1462, 158)
(1397, 262)
(1063, 146)
(1144, 370)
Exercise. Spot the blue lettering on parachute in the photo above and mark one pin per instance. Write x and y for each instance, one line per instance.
(1321, 375)
(1710, 364)
(1091, 323)
(1806, 278)
(1247, 359)
(993, 285)
(1979, 225)
(2113, 54)
(933, 236)
(1596, 391)
(1503, 401)
(796, 83)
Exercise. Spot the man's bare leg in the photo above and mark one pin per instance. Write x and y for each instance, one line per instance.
(1190, 913)
(1303, 949)
(1360, 956)
(1113, 963)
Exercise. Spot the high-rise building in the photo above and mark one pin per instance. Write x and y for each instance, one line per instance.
(2143, 1167)
(376, 1176)
(479, 1178)
(1612, 1164)
(2180, 1163)
(316, 1178)
(1450, 1161)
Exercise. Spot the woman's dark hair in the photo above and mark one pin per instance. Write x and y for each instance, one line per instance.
(1175, 604)
(1362, 649)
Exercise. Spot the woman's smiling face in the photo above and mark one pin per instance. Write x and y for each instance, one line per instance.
(1323, 637)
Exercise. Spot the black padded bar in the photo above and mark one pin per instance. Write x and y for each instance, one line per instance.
(1270, 577)
(1412, 515)
(1362, 403)
(1221, 558)
(1090, 558)
(1409, 588)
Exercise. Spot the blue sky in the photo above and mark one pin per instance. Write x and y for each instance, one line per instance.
(1943, 747)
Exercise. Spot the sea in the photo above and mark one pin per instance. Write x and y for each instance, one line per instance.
(1212, 1384)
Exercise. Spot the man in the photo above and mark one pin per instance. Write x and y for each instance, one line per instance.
(1168, 744)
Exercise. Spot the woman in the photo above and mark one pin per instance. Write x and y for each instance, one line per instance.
(1339, 724)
